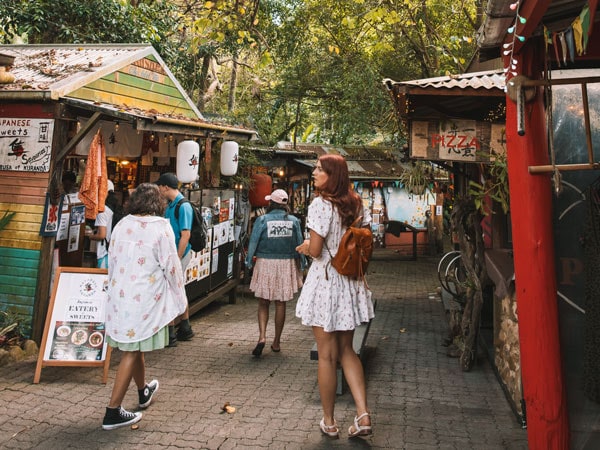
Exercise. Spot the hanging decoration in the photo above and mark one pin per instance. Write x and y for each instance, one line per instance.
(93, 189)
(568, 43)
(229, 158)
(262, 185)
(509, 47)
(573, 40)
(188, 158)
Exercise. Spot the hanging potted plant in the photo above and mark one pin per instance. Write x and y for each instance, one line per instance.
(416, 178)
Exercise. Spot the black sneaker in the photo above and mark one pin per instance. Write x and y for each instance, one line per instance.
(147, 393)
(172, 341)
(119, 417)
(185, 334)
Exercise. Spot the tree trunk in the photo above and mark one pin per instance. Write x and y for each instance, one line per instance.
(233, 84)
(466, 220)
(204, 82)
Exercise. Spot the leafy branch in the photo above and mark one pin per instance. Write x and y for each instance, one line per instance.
(494, 186)
(6, 218)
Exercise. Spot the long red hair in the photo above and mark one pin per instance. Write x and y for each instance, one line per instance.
(338, 189)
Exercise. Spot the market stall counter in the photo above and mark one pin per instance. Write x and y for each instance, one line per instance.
(214, 271)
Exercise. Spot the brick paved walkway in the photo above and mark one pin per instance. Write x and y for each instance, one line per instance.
(419, 397)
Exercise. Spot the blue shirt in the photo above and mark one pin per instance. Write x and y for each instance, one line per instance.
(183, 223)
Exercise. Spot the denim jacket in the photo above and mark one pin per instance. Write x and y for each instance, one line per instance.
(275, 236)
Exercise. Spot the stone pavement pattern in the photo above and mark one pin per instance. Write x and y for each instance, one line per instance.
(420, 399)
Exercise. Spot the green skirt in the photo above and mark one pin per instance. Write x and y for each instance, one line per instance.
(155, 342)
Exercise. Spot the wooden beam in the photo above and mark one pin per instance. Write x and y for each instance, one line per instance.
(91, 123)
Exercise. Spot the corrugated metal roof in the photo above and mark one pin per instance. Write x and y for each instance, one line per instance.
(364, 162)
(60, 70)
(477, 80)
(474, 95)
(63, 68)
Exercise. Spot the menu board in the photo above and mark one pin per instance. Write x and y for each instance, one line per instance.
(75, 325)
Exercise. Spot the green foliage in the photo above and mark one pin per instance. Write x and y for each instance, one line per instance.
(13, 328)
(302, 70)
(416, 178)
(495, 185)
(74, 21)
(6, 218)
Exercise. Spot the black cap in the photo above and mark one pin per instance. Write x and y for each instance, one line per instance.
(168, 179)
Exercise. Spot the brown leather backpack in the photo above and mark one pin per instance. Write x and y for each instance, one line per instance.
(354, 251)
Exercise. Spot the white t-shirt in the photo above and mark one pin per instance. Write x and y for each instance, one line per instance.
(104, 219)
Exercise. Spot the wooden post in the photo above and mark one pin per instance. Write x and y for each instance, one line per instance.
(533, 245)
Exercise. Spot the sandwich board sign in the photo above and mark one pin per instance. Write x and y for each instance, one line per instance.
(75, 331)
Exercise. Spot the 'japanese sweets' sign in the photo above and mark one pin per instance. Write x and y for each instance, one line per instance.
(25, 144)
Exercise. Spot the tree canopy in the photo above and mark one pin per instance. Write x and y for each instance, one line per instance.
(300, 70)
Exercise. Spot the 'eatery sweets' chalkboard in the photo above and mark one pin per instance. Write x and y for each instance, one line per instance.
(75, 325)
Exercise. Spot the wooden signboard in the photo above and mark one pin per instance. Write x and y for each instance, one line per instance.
(75, 334)
(456, 140)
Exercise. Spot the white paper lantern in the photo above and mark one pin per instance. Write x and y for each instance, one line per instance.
(229, 158)
(188, 160)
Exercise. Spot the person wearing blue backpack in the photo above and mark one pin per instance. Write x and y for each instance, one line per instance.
(168, 184)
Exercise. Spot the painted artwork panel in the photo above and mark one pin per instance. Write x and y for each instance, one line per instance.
(408, 208)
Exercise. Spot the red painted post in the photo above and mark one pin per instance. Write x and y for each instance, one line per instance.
(533, 244)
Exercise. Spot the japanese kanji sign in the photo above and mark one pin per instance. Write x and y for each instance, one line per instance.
(25, 144)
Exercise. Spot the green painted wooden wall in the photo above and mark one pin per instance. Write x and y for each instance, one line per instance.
(18, 279)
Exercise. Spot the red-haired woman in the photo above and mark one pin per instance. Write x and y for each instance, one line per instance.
(333, 304)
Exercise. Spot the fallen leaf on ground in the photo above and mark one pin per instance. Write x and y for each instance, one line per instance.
(228, 408)
(385, 338)
(402, 330)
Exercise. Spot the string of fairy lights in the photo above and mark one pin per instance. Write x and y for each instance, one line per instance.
(509, 47)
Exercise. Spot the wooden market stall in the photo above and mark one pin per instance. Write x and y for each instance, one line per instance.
(56, 101)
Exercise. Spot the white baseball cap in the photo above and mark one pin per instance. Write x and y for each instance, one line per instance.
(278, 196)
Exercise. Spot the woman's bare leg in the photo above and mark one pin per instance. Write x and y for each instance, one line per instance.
(279, 323)
(327, 348)
(127, 367)
(354, 374)
(263, 319)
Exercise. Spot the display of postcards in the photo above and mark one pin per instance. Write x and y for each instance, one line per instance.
(215, 235)
(231, 231)
(375, 218)
(224, 211)
(231, 208)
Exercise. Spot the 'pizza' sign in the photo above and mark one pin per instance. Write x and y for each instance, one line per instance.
(456, 140)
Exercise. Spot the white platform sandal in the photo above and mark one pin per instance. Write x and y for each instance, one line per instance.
(360, 430)
(329, 430)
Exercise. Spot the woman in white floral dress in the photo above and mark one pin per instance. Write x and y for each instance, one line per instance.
(145, 293)
(333, 304)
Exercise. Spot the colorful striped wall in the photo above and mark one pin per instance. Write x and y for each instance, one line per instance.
(144, 84)
(20, 242)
